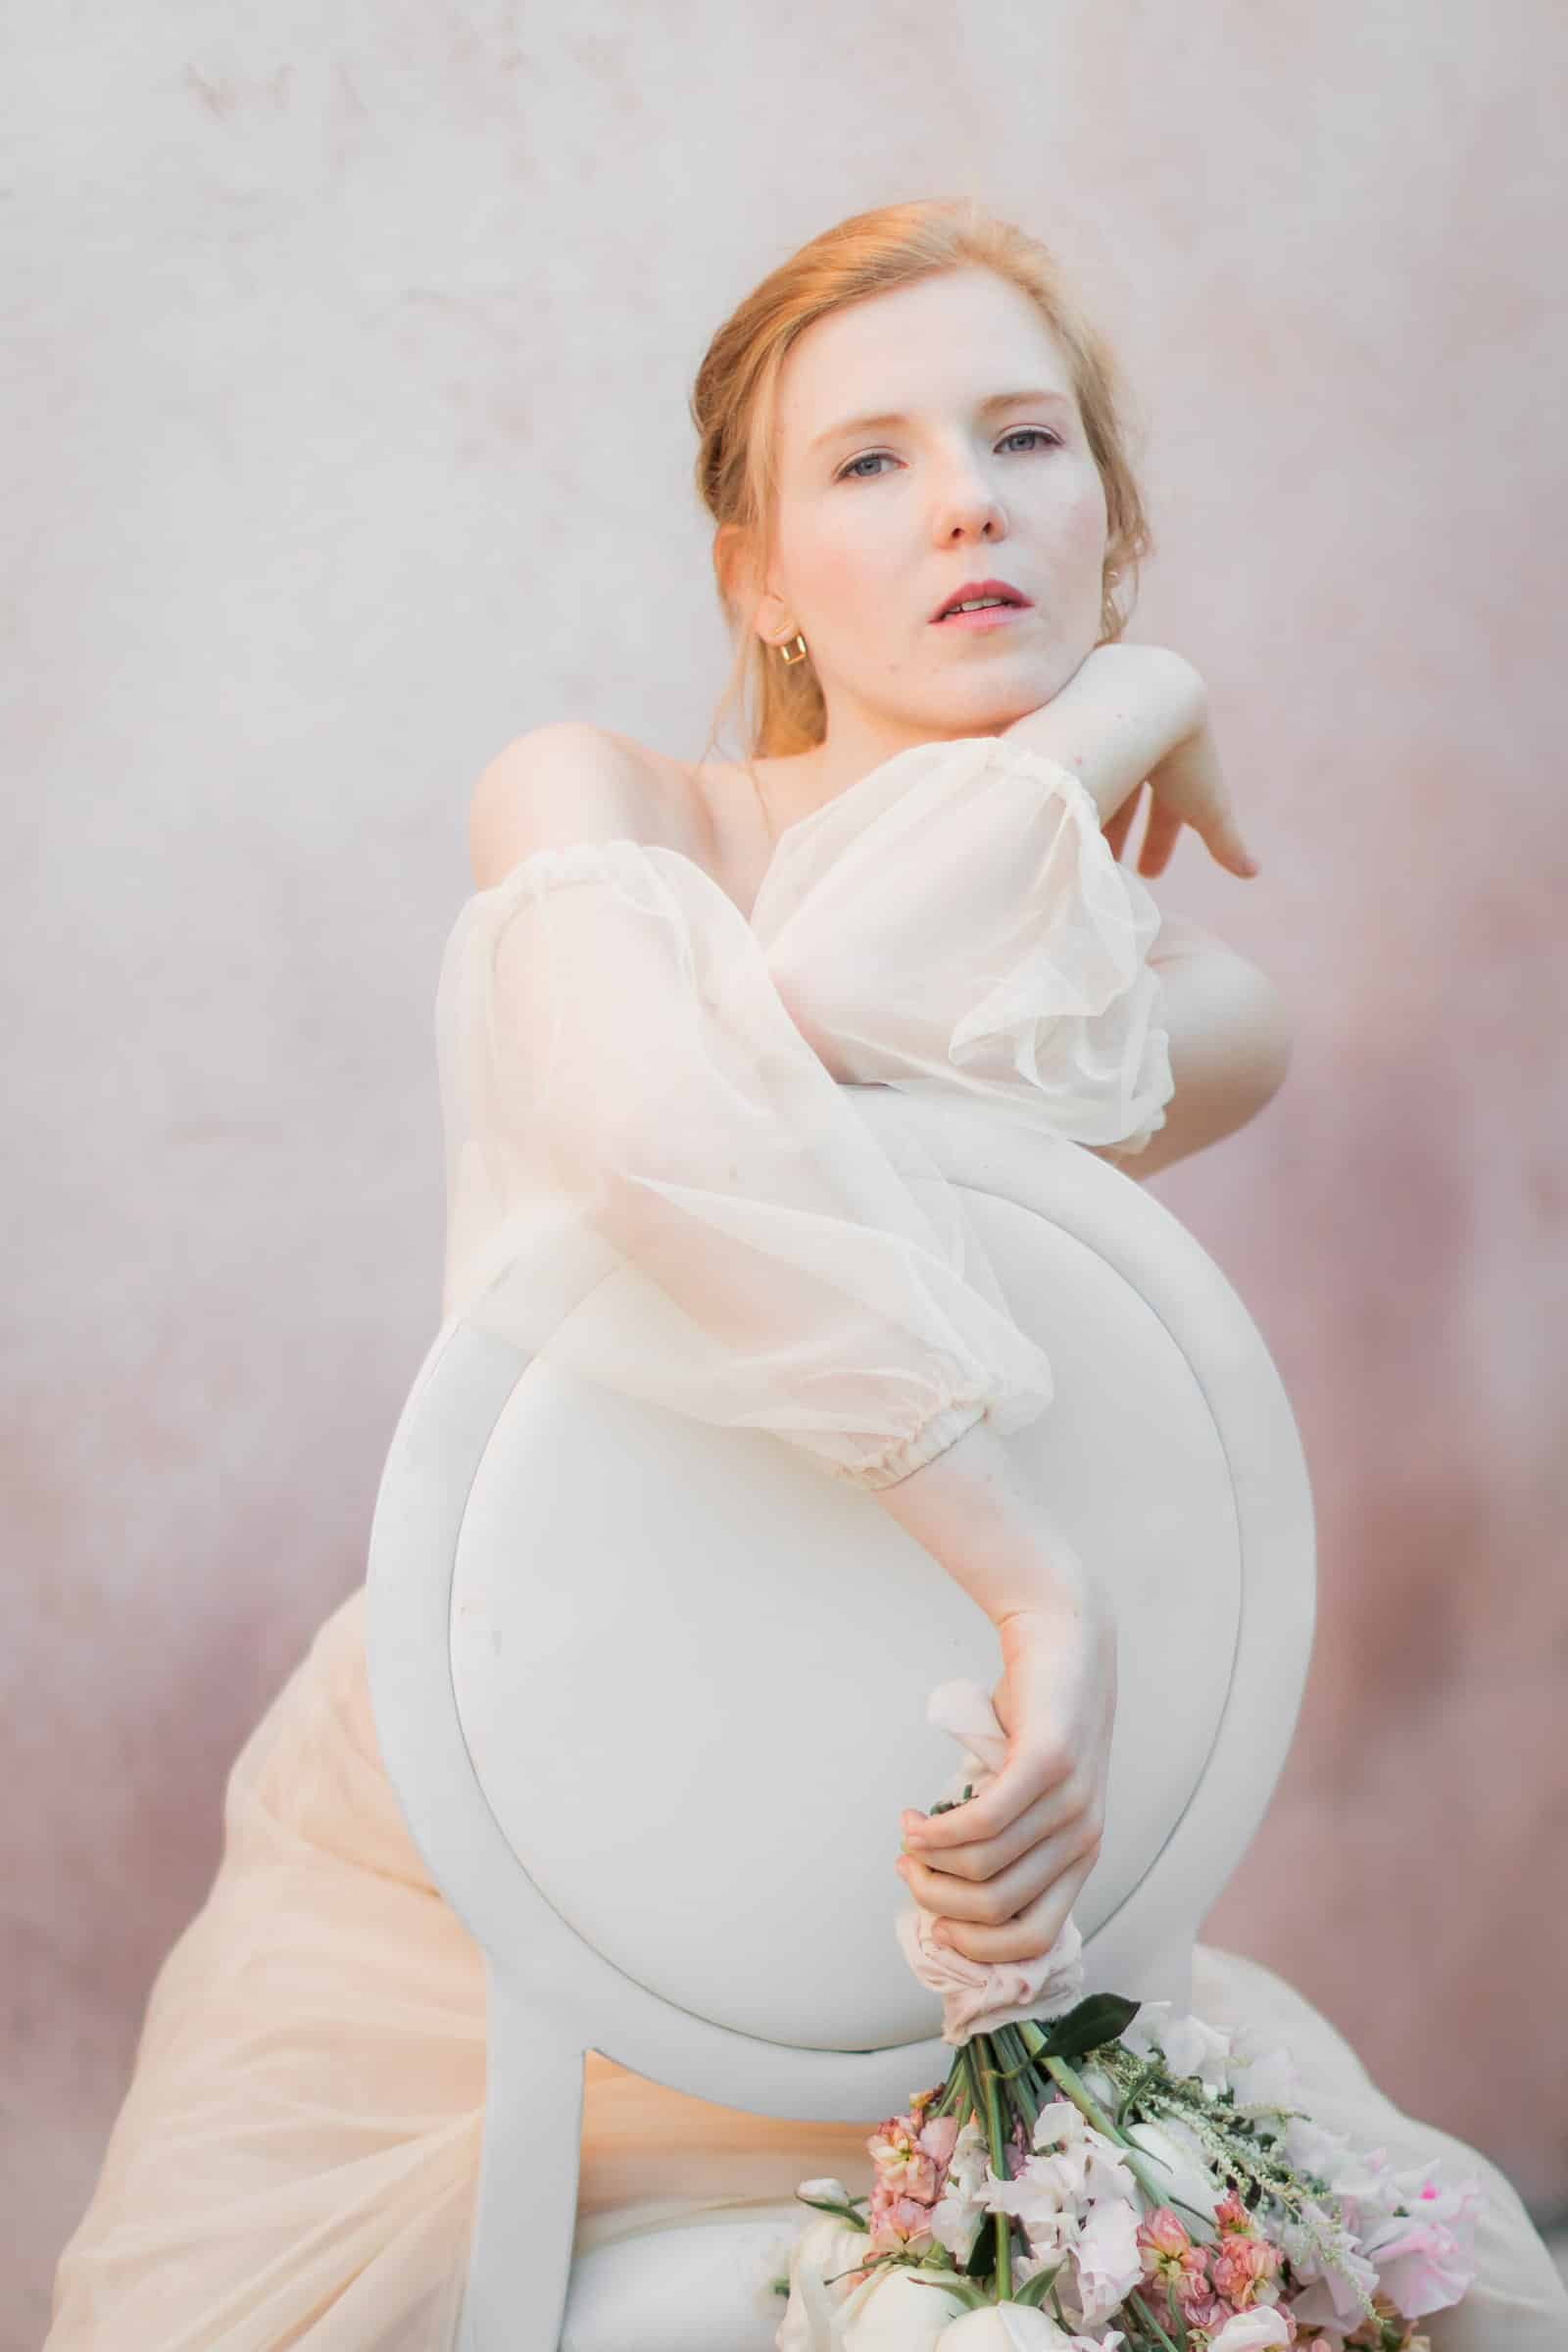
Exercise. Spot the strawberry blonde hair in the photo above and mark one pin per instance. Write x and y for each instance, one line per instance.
(734, 405)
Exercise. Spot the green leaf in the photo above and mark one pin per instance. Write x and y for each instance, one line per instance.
(971, 2297)
(1098, 2018)
(982, 2254)
(1034, 2292)
(846, 2213)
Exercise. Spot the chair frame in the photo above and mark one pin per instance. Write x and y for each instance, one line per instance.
(550, 1995)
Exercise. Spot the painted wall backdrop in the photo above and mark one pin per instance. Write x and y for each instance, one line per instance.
(345, 438)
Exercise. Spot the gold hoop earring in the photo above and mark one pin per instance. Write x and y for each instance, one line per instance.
(788, 659)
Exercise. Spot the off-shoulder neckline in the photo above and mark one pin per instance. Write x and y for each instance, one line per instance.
(1028, 754)
(799, 827)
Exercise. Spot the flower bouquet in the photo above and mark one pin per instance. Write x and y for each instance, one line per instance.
(1100, 2175)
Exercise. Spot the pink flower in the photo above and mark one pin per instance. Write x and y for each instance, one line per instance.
(1242, 2266)
(1163, 2233)
(1169, 2256)
(1233, 2215)
(938, 2138)
(904, 2167)
(910, 2158)
(898, 2225)
(1426, 2259)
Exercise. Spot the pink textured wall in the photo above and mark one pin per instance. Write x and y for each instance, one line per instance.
(347, 427)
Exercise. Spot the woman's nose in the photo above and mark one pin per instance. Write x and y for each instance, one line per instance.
(969, 509)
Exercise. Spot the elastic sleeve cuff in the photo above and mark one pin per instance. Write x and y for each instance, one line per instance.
(905, 1456)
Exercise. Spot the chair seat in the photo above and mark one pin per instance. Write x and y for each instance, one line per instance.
(701, 2282)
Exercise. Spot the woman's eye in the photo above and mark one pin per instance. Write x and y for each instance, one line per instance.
(851, 471)
(1036, 432)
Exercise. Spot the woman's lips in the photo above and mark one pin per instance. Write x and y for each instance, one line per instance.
(988, 616)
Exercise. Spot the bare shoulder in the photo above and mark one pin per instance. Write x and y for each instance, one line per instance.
(571, 781)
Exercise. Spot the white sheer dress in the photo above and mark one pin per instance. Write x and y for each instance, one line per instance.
(636, 1075)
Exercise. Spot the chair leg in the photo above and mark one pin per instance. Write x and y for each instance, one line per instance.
(520, 2260)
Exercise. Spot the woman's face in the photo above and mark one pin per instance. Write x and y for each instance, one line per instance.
(929, 440)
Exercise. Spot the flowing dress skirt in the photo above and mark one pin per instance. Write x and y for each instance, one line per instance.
(297, 2156)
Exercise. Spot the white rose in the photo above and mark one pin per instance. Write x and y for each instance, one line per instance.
(1003, 2328)
(893, 2311)
(824, 2247)
(1252, 2330)
(1179, 2172)
(827, 2192)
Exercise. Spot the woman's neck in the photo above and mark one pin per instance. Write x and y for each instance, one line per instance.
(802, 782)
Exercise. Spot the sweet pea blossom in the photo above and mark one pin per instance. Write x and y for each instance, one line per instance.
(1032, 2196)
(1328, 2297)
(1107, 2261)
(960, 2213)
(1081, 2160)
(1190, 2046)
(1268, 2081)
(1251, 2331)
(1425, 2258)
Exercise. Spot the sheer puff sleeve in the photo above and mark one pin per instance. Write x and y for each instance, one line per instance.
(654, 1180)
(975, 876)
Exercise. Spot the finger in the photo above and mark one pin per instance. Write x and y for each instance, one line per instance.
(1231, 849)
(1159, 839)
(1000, 1802)
(1120, 825)
(992, 1903)
(1034, 1931)
(984, 1857)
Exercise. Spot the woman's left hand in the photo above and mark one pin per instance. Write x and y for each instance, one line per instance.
(1005, 1892)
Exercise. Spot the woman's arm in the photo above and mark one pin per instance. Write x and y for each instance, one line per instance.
(1230, 1044)
(1131, 713)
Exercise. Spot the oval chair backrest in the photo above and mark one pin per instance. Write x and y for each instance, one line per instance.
(612, 1649)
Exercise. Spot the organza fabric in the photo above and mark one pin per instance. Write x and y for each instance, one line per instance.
(639, 1084)
(654, 1177)
(297, 2159)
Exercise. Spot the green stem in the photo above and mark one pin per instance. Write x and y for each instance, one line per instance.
(1150, 2321)
(953, 2092)
(997, 2137)
(1090, 2107)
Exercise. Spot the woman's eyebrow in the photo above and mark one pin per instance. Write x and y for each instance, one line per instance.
(884, 419)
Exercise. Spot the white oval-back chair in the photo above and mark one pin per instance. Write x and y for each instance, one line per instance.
(613, 1651)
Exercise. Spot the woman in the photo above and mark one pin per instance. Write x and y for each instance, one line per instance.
(923, 508)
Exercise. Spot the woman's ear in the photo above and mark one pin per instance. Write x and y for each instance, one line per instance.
(739, 576)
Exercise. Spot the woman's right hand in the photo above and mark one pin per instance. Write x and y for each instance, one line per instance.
(1003, 1869)
(1136, 714)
